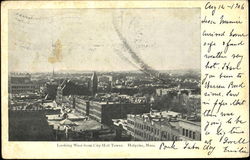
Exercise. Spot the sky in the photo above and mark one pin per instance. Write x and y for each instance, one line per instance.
(88, 39)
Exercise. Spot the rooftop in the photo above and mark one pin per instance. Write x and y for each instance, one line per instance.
(120, 122)
(79, 126)
(167, 117)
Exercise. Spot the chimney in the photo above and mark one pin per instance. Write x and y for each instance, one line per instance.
(74, 102)
(160, 117)
(87, 108)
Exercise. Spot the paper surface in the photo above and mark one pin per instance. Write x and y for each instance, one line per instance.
(224, 78)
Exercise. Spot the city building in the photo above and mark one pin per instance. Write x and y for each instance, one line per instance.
(105, 79)
(50, 90)
(162, 126)
(164, 91)
(21, 83)
(29, 124)
(104, 112)
(104, 84)
(180, 100)
(67, 90)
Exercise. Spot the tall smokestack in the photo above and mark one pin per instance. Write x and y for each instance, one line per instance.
(87, 108)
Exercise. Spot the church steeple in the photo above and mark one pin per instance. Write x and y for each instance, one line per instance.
(53, 74)
(93, 84)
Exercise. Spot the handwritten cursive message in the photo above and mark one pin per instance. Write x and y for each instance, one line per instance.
(224, 78)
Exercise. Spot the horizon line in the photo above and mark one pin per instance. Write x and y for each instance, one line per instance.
(163, 70)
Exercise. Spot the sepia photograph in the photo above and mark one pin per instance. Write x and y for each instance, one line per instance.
(104, 74)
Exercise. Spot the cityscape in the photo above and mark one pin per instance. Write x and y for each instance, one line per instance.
(99, 106)
(121, 78)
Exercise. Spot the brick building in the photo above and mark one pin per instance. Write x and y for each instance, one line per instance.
(67, 90)
(104, 112)
(162, 126)
(21, 83)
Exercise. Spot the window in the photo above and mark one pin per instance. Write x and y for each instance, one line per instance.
(190, 134)
(186, 133)
(193, 135)
(183, 131)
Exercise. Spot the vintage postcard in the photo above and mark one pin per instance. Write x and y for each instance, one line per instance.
(124, 79)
